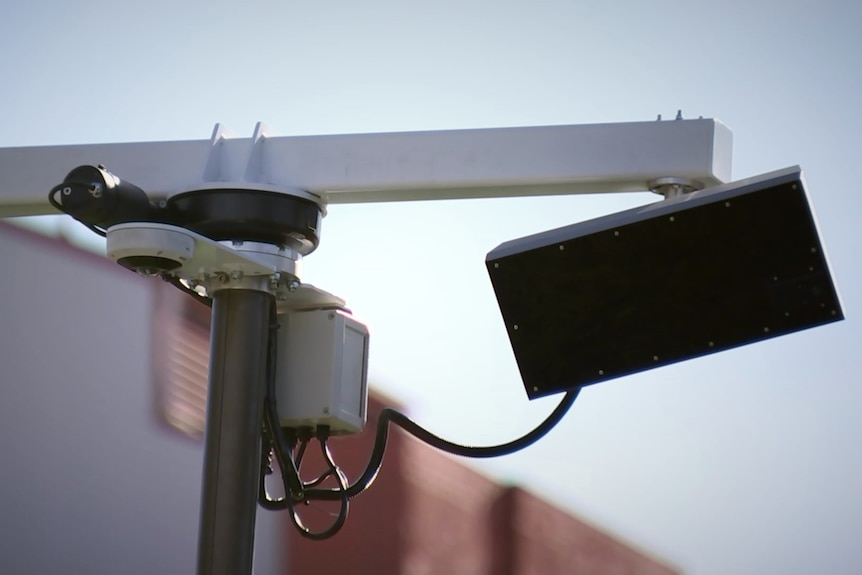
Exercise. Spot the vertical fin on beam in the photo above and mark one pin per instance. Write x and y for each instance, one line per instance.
(213, 171)
(256, 169)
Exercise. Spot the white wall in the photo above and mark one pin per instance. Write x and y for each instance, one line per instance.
(89, 480)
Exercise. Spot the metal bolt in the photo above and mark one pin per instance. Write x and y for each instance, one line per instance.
(601, 372)
(293, 286)
(562, 247)
(236, 274)
(496, 265)
(273, 280)
(222, 277)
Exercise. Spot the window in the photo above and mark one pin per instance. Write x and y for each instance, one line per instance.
(180, 360)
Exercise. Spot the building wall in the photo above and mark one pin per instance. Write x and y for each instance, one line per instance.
(448, 515)
(545, 539)
(92, 482)
(429, 514)
(372, 540)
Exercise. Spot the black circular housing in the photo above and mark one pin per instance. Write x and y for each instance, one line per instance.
(152, 264)
(249, 215)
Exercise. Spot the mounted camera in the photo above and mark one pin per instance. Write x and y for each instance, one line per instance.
(99, 199)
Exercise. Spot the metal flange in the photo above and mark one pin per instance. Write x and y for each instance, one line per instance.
(156, 249)
(670, 187)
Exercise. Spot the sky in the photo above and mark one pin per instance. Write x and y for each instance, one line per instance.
(747, 461)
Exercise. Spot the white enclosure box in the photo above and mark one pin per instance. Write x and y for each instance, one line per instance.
(322, 372)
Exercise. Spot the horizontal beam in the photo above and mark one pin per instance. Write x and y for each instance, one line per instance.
(497, 162)
(28, 174)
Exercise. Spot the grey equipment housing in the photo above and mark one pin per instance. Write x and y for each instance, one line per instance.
(677, 279)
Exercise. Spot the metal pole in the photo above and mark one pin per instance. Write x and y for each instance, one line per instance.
(238, 346)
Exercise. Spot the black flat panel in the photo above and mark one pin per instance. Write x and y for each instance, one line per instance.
(664, 285)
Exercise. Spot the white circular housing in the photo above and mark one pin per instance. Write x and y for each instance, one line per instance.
(134, 242)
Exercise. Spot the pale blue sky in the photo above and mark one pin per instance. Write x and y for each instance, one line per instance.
(743, 462)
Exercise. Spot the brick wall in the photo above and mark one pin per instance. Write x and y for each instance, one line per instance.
(428, 514)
